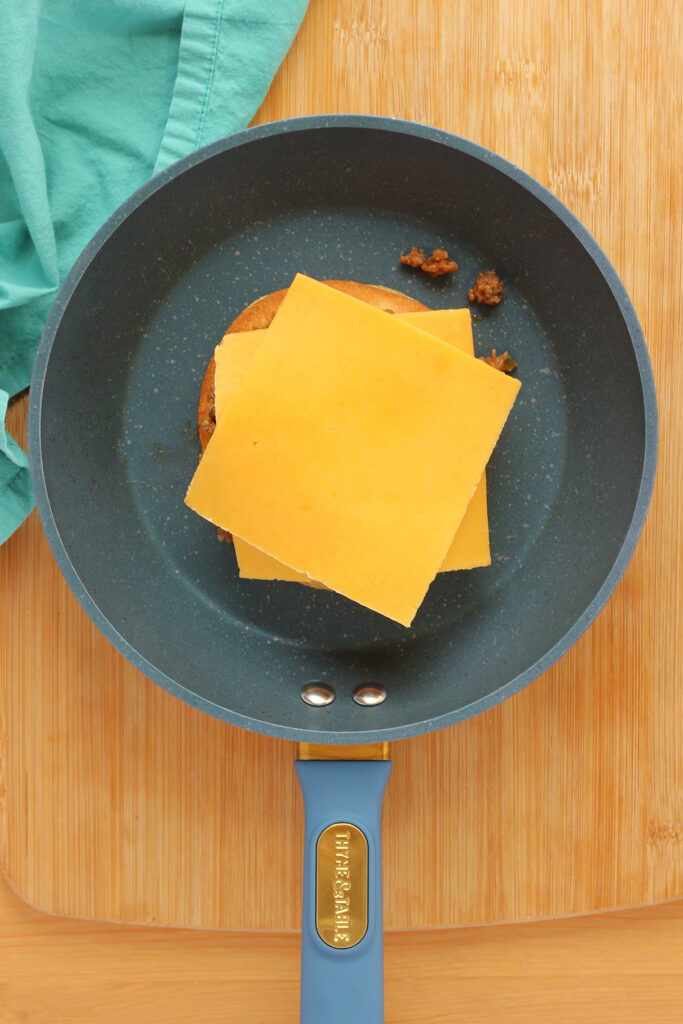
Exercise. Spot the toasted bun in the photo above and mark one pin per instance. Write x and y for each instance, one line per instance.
(260, 313)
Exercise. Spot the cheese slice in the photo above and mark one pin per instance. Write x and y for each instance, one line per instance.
(233, 357)
(470, 546)
(257, 565)
(352, 448)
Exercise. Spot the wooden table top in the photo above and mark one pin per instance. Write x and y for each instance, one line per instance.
(587, 98)
(618, 968)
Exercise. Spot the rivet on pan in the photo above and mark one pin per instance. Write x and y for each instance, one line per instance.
(317, 694)
(369, 694)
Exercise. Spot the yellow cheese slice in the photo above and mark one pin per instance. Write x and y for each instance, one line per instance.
(257, 565)
(233, 357)
(352, 448)
(470, 546)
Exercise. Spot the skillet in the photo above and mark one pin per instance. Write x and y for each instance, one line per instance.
(111, 423)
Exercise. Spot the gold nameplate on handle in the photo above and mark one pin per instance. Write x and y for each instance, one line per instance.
(329, 752)
(341, 887)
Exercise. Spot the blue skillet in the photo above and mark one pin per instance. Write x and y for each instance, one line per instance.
(112, 447)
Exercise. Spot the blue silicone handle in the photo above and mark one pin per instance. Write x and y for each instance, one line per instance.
(342, 985)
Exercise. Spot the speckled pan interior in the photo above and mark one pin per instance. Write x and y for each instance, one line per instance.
(113, 443)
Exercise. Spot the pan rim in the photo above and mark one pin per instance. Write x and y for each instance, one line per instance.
(604, 267)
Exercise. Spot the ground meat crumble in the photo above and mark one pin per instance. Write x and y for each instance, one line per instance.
(488, 289)
(504, 362)
(436, 265)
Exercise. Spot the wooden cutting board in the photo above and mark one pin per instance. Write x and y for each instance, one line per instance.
(119, 802)
(124, 804)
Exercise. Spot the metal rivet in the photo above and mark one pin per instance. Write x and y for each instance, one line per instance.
(317, 694)
(369, 694)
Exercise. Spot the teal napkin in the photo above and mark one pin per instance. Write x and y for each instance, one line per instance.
(95, 98)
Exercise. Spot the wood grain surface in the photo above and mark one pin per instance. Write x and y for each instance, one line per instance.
(567, 798)
(619, 968)
(123, 804)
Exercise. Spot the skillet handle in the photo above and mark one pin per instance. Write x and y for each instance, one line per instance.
(340, 981)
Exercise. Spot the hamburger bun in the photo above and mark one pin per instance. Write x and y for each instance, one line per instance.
(259, 315)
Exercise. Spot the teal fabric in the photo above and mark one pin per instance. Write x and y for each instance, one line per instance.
(94, 99)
